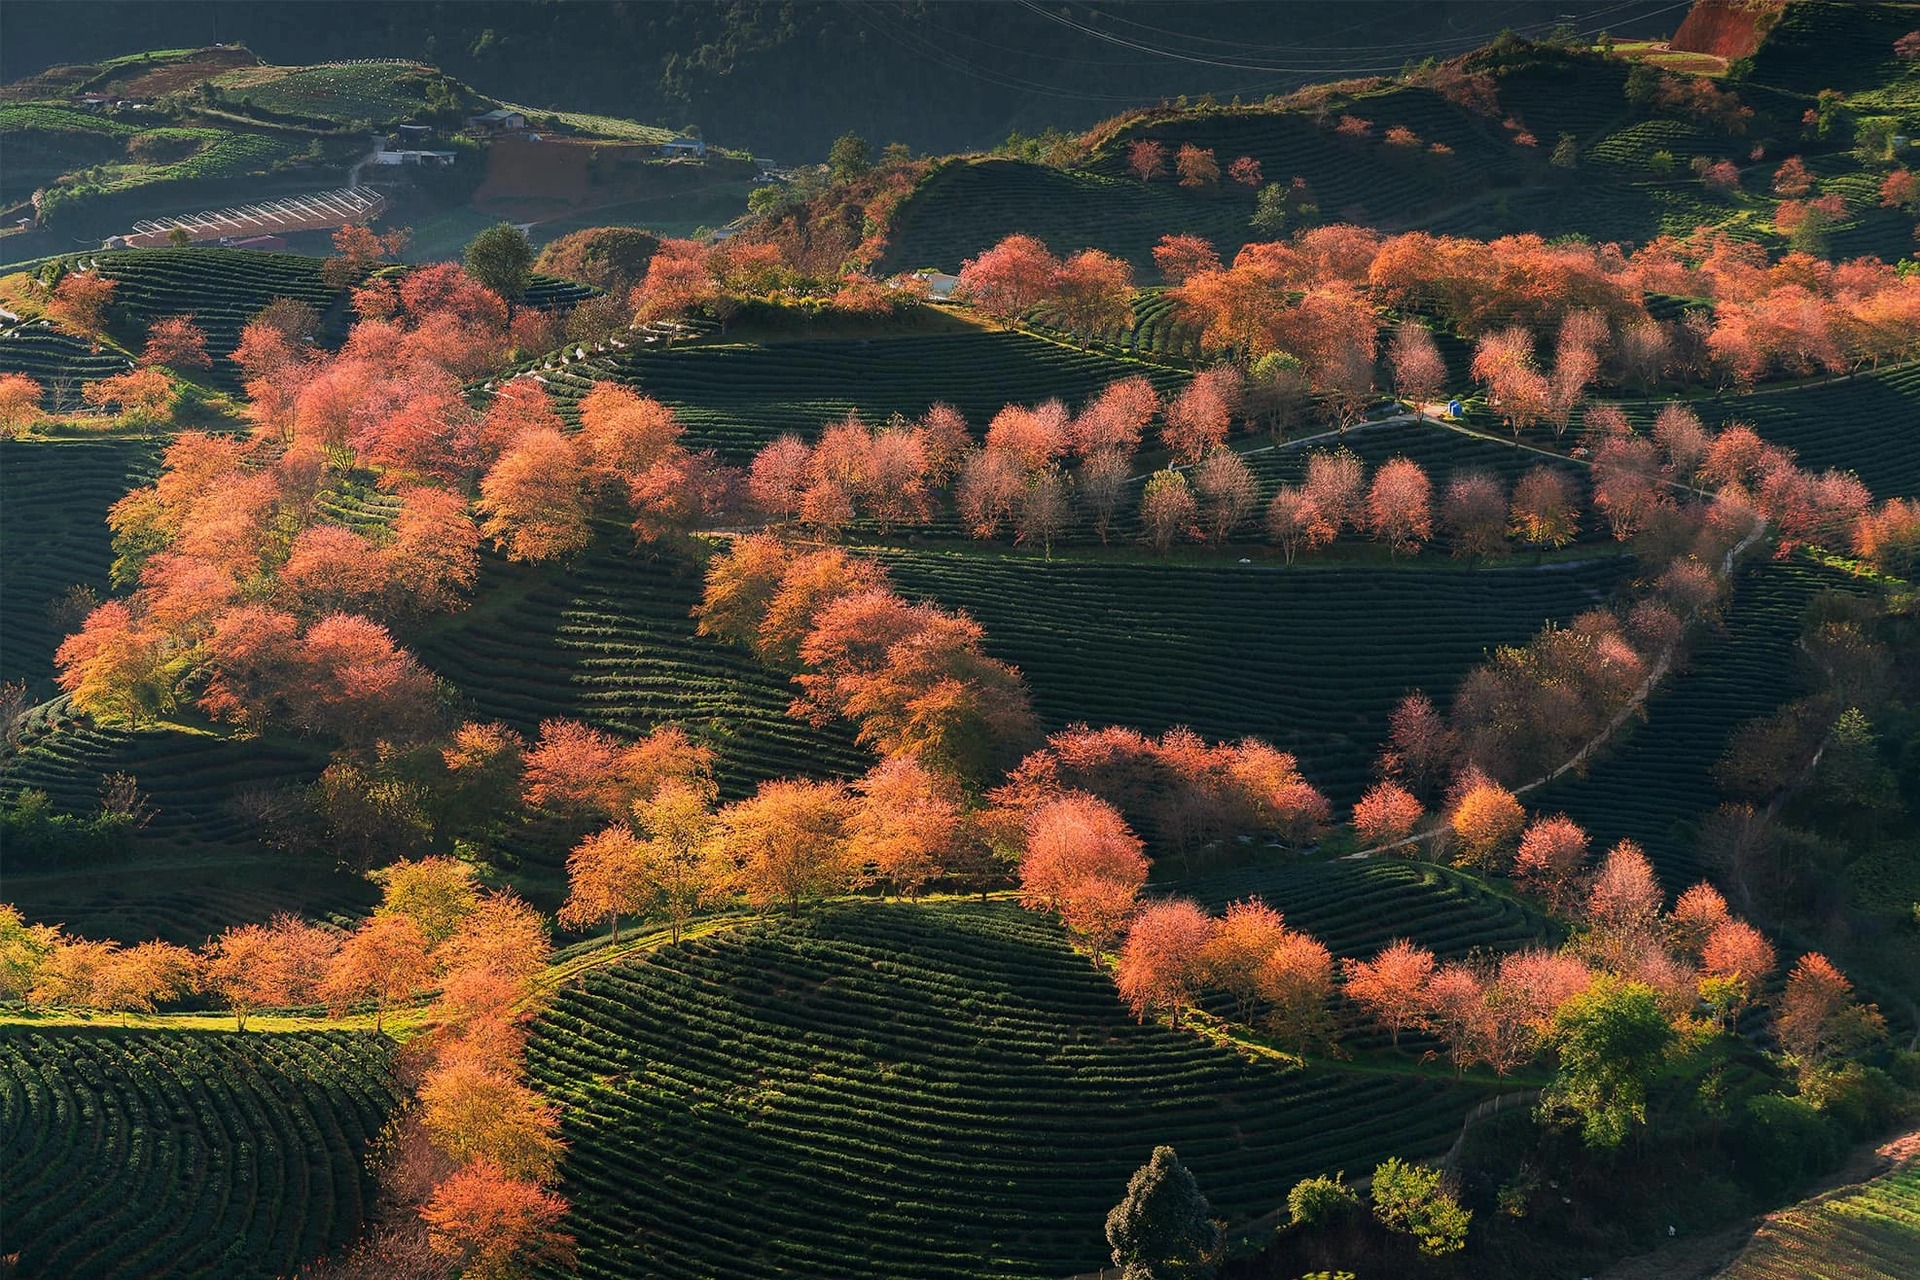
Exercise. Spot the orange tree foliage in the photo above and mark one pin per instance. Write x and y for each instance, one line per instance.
(905, 826)
(1012, 277)
(788, 841)
(81, 299)
(385, 960)
(682, 863)
(533, 499)
(144, 395)
(1183, 790)
(1167, 509)
(606, 878)
(19, 402)
(1740, 958)
(1199, 418)
(178, 343)
(1386, 813)
(1393, 985)
(1181, 256)
(473, 1111)
(1623, 901)
(1487, 821)
(437, 894)
(1819, 1015)
(1146, 159)
(1093, 293)
(1400, 506)
(1080, 860)
(255, 966)
(1552, 853)
(915, 680)
(492, 1225)
(1163, 961)
(575, 769)
(1196, 166)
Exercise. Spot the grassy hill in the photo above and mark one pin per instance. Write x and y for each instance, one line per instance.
(129, 1154)
(1311, 658)
(943, 1091)
(1657, 784)
(737, 396)
(53, 521)
(98, 145)
(1358, 907)
(201, 862)
(611, 640)
(221, 289)
(1454, 162)
(1868, 424)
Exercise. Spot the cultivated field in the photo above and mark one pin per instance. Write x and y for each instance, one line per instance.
(1658, 784)
(1868, 1232)
(612, 641)
(943, 1091)
(736, 397)
(129, 1154)
(1312, 659)
(53, 520)
(1868, 424)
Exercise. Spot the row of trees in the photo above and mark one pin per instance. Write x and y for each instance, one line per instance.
(1316, 296)
(687, 277)
(1636, 984)
(1042, 469)
(1196, 166)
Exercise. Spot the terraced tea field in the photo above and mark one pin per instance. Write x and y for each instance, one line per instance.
(1312, 658)
(1868, 424)
(127, 1154)
(1657, 782)
(380, 92)
(1358, 907)
(203, 792)
(53, 520)
(221, 288)
(1868, 1232)
(1483, 184)
(735, 397)
(934, 1092)
(970, 205)
(59, 362)
(612, 641)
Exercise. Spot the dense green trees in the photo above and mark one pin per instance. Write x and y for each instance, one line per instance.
(501, 258)
(1164, 1229)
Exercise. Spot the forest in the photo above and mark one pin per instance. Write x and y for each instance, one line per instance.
(1179, 696)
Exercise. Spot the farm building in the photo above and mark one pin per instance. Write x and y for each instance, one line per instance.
(940, 284)
(427, 159)
(694, 147)
(499, 120)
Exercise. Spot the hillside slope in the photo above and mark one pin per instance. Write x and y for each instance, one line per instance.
(942, 1091)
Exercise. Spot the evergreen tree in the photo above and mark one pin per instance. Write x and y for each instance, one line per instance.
(501, 259)
(1164, 1229)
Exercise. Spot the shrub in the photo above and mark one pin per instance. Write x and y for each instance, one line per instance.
(1321, 1201)
(1408, 1198)
(1784, 1141)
